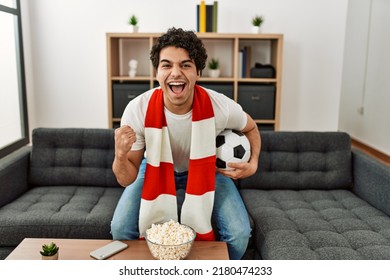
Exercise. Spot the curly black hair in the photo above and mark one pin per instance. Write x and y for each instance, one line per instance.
(179, 38)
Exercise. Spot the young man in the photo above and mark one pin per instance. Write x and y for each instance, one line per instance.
(166, 146)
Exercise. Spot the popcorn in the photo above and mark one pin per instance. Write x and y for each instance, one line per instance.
(170, 240)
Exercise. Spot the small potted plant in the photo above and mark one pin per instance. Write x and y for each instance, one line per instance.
(49, 251)
(257, 21)
(214, 68)
(133, 21)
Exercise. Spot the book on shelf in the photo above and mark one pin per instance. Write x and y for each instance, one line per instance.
(215, 16)
(248, 59)
(244, 62)
(240, 59)
(202, 17)
(207, 17)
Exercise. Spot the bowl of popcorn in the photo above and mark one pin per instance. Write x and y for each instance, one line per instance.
(170, 240)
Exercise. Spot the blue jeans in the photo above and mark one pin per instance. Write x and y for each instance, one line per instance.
(229, 212)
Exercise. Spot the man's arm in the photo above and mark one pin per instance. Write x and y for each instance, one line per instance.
(126, 162)
(242, 170)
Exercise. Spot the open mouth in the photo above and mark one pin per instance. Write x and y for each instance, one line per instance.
(177, 87)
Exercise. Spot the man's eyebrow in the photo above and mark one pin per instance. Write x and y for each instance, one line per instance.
(184, 61)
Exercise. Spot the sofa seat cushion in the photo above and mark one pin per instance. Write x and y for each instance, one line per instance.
(59, 212)
(316, 224)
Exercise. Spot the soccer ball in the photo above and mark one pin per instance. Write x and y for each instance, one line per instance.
(232, 146)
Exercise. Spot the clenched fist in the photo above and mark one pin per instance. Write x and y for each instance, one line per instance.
(124, 140)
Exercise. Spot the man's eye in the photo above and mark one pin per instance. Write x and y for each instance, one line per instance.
(186, 65)
(165, 65)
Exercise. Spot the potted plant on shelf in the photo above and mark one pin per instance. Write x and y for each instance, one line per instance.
(49, 251)
(214, 68)
(257, 21)
(133, 21)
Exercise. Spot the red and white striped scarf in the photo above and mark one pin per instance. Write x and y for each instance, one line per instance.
(158, 201)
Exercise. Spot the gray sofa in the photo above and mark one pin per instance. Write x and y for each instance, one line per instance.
(62, 187)
(312, 197)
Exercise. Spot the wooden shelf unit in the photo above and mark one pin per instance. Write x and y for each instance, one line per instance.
(266, 49)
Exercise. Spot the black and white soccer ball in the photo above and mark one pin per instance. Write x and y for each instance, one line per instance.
(232, 146)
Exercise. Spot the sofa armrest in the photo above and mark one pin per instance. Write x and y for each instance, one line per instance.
(14, 174)
(371, 180)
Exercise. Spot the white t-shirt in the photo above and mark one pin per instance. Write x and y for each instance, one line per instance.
(227, 113)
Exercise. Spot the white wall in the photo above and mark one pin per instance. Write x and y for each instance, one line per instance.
(365, 97)
(66, 65)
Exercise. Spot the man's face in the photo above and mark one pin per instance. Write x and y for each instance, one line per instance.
(177, 76)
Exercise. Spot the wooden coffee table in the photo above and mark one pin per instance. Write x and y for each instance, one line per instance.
(79, 249)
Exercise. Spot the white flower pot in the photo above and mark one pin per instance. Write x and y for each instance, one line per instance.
(54, 257)
(214, 73)
(134, 28)
(256, 29)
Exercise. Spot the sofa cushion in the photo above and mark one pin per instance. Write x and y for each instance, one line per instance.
(59, 212)
(302, 160)
(72, 157)
(317, 224)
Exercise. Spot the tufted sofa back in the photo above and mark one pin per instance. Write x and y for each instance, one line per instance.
(303, 160)
(72, 157)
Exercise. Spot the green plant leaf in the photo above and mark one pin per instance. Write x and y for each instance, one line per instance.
(133, 20)
(214, 64)
(257, 20)
(49, 249)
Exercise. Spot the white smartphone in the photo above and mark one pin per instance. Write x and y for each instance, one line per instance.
(108, 250)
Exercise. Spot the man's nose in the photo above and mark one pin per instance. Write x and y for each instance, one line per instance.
(176, 71)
